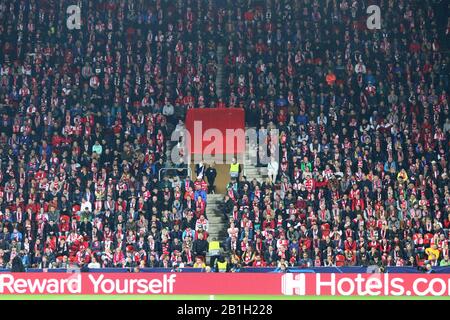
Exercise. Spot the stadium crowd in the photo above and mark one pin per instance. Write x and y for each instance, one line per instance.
(362, 176)
(85, 120)
(86, 116)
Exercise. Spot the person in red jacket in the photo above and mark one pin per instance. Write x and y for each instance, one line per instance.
(118, 258)
(350, 245)
(259, 261)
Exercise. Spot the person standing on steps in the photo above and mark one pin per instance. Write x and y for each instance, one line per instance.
(211, 174)
(272, 169)
(213, 251)
(200, 170)
(235, 169)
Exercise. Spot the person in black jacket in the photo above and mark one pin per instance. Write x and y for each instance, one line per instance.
(86, 227)
(188, 222)
(200, 169)
(175, 245)
(227, 207)
(270, 256)
(211, 174)
(17, 265)
(62, 248)
(51, 229)
(200, 246)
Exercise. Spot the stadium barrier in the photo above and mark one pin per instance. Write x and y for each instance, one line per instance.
(370, 269)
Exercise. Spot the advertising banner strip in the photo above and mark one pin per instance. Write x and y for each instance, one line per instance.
(330, 284)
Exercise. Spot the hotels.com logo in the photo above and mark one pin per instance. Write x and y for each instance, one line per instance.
(365, 284)
(291, 284)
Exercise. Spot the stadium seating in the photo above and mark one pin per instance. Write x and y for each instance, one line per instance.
(366, 117)
(86, 118)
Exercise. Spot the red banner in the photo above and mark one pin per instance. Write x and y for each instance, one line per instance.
(216, 131)
(310, 284)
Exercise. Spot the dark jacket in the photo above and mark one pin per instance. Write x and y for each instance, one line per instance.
(200, 247)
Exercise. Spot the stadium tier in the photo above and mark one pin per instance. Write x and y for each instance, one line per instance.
(357, 171)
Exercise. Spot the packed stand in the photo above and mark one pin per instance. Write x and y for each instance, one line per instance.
(364, 127)
(85, 120)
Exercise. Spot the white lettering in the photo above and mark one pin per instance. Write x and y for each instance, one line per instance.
(374, 20)
(74, 284)
(107, 286)
(74, 20)
(20, 286)
(396, 283)
(320, 284)
(441, 283)
(373, 286)
(96, 282)
(291, 284)
(416, 289)
(6, 280)
(155, 286)
(36, 285)
(340, 286)
(171, 282)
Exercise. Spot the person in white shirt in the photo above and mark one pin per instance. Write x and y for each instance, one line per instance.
(86, 205)
(272, 169)
(360, 68)
(94, 264)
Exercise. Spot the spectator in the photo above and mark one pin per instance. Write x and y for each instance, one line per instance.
(445, 262)
(211, 174)
(17, 265)
(94, 264)
(200, 246)
(272, 169)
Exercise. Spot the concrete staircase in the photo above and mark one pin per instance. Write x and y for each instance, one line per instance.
(220, 77)
(251, 171)
(217, 224)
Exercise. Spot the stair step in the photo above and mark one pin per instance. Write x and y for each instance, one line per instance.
(218, 225)
(213, 209)
(215, 217)
(220, 75)
(215, 196)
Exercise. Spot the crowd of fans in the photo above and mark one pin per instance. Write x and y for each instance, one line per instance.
(363, 116)
(85, 120)
(86, 116)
